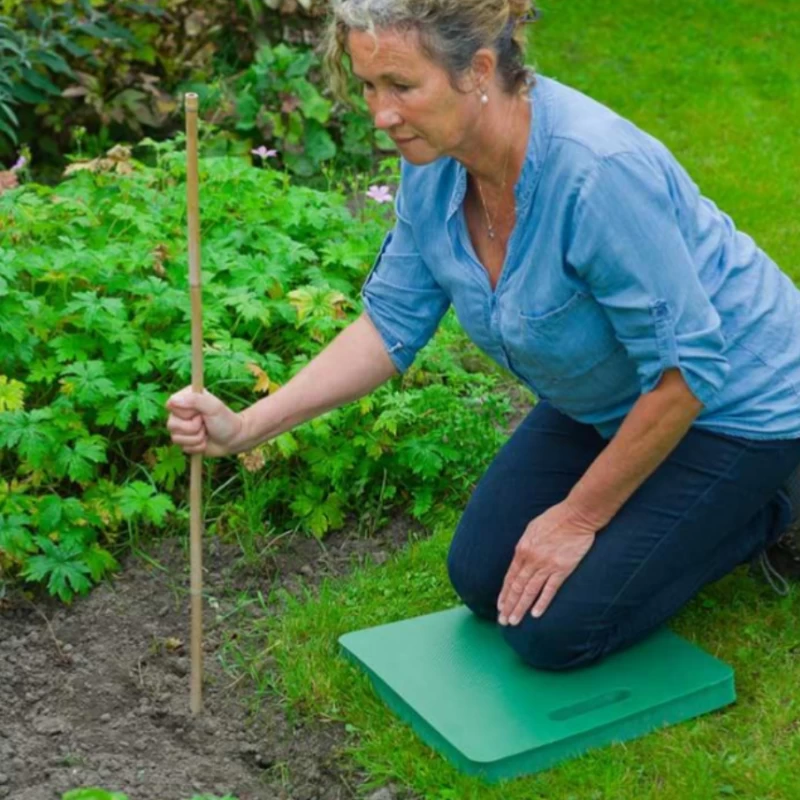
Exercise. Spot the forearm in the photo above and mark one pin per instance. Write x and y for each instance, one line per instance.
(649, 433)
(352, 365)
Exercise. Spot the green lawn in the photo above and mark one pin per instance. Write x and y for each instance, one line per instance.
(716, 81)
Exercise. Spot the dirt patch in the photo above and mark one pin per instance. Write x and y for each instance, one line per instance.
(97, 694)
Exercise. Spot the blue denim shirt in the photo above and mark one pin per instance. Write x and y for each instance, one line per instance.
(617, 269)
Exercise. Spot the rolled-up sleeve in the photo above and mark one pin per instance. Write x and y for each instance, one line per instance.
(627, 245)
(401, 296)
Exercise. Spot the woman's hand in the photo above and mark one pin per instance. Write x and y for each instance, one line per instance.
(552, 546)
(202, 423)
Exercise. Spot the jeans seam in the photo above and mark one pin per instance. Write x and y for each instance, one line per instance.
(631, 578)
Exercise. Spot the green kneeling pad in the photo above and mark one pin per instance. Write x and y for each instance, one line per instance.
(468, 695)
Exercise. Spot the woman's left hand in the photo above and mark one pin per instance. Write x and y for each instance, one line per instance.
(547, 554)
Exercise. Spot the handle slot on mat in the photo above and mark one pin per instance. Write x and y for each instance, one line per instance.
(592, 704)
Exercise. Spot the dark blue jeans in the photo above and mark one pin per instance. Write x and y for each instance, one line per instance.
(714, 503)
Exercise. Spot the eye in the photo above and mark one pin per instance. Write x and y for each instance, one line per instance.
(401, 87)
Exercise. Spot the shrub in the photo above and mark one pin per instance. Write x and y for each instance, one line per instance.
(109, 67)
(94, 335)
(89, 73)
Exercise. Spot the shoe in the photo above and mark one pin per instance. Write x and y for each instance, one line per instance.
(780, 562)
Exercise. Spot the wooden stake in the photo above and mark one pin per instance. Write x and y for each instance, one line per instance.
(196, 477)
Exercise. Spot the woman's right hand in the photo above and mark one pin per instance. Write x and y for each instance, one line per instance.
(202, 423)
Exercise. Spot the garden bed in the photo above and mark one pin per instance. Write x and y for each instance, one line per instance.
(97, 693)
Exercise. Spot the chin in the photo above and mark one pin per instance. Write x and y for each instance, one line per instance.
(419, 154)
(421, 159)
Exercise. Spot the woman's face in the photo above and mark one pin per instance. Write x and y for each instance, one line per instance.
(410, 97)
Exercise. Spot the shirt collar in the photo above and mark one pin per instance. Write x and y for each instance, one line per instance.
(538, 141)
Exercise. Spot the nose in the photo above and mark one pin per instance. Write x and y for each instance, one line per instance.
(385, 120)
(384, 115)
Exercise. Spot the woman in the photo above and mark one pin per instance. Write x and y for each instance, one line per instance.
(663, 344)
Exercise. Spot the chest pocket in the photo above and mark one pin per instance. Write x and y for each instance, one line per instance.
(572, 356)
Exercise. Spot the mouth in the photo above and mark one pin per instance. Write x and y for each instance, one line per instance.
(405, 141)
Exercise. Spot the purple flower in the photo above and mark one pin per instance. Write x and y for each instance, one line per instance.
(21, 162)
(380, 194)
(263, 153)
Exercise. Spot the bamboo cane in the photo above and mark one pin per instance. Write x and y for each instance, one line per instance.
(195, 485)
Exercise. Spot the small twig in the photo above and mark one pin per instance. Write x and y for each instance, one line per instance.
(41, 613)
(235, 682)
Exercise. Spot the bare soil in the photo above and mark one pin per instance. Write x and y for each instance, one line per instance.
(96, 694)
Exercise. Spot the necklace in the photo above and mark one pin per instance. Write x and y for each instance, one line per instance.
(490, 229)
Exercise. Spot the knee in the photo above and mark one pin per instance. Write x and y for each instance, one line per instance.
(553, 643)
(470, 578)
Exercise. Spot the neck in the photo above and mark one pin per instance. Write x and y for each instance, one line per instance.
(500, 137)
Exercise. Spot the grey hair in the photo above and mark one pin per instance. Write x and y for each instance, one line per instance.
(450, 33)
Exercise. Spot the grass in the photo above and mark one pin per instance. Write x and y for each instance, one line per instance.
(715, 81)
(750, 750)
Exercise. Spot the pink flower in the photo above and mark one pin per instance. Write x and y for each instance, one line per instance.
(380, 194)
(21, 162)
(263, 153)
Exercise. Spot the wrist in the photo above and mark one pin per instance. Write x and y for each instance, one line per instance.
(582, 518)
(242, 439)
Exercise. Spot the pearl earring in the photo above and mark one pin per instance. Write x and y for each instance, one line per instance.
(484, 98)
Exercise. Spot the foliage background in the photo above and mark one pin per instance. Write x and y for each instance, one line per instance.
(88, 74)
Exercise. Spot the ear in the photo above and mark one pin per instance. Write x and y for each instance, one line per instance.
(482, 71)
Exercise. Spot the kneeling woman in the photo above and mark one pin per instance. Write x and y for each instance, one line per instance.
(663, 344)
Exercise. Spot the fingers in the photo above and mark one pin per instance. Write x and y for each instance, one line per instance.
(526, 598)
(185, 422)
(517, 579)
(193, 443)
(184, 402)
(553, 584)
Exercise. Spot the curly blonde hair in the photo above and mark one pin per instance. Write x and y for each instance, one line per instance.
(450, 32)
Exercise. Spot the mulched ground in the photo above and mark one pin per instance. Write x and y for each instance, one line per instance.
(97, 694)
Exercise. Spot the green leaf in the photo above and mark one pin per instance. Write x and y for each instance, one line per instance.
(11, 394)
(141, 499)
(147, 401)
(44, 370)
(53, 61)
(62, 567)
(99, 562)
(286, 444)
(35, 20)
(314, 106)
(32, 433)
(101, 313)
(87, 383)
(9, 113)
(39, 81)
(24, 93)
(423, 502)
(319, 145)
(317, 522)
(73, 48)
(73, 346)
(171, 464)
(15, 537)
(92, 448)
(98, 32)
(300, 64)
(78, 462)
(8, 131)
(50, 513)
(93, 794)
